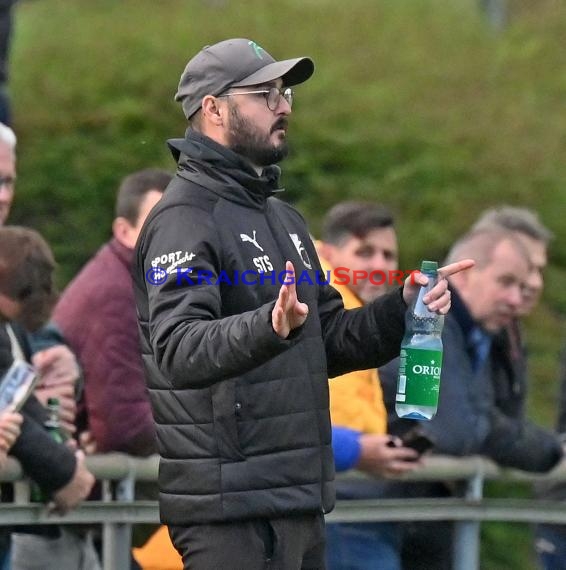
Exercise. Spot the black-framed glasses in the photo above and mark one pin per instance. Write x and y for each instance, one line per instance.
(272, 95)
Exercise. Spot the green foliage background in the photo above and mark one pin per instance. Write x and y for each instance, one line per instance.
(415, 103)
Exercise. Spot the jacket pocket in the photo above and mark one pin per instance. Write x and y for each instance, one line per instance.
(224, 408)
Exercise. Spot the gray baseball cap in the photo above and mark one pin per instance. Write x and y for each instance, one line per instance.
(235, 63)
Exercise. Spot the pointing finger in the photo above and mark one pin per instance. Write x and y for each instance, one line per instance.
(456, 267)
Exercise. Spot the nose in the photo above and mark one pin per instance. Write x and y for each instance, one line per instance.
(5, 192)
(515, 296)
(283, 107)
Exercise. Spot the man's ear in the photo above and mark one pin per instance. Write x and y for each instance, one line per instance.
(123, 232)
(212, 111)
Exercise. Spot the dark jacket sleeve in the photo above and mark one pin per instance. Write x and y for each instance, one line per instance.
(513, 441)
(186, 328)
(50, 464)
(357, 339)
(518, 443)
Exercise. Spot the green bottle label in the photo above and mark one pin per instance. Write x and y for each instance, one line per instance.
(419, 377)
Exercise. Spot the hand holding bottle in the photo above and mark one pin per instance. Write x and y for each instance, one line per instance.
(438, 298)
(418, 384)
(59, 372)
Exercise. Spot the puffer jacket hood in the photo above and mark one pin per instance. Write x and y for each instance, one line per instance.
(204, 161)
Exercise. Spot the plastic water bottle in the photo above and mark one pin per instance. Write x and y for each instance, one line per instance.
(421, 356)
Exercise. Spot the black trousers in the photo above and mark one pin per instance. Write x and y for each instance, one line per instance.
(288, 543)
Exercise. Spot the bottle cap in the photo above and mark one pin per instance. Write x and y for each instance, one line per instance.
(429, 266)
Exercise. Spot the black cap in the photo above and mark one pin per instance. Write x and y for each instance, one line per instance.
(235, 63)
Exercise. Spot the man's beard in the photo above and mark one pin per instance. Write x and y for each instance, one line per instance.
(245, 139)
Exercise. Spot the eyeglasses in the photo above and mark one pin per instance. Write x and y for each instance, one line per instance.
(272, 96)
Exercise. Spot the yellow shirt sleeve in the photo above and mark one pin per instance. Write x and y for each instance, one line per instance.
(356, 402)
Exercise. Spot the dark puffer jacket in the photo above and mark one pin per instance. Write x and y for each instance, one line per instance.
(242, 415)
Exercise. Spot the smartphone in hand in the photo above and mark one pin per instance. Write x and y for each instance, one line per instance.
(417, 440)
(16, 385)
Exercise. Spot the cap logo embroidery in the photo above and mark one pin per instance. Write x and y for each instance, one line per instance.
(257, 49)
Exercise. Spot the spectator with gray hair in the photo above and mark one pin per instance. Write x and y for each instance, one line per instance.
(55, 362)
(534, 236)
(509, 358)
(472, 417)
(511, 379)
(7, 170)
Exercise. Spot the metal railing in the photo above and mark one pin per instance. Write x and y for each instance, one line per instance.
(118, 509)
